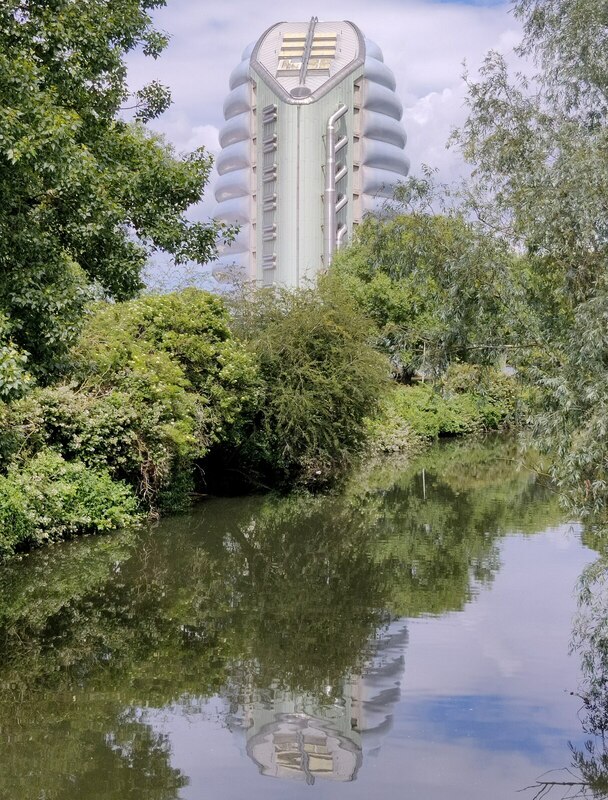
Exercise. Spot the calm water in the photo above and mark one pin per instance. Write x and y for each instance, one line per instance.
(407, 637)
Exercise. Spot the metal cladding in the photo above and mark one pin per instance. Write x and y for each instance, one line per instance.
(312, 141)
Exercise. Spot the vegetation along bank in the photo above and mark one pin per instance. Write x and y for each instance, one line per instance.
(454, 311)
(169, 395)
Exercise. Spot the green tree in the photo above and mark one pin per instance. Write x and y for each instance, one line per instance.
(439, 287)
(85, 198)
(539, 147)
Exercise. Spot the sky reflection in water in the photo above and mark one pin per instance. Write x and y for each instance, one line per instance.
(408, 636)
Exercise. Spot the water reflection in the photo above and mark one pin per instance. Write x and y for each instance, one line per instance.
(590, 641)
(587, 774)
(289, 609)
(297, 736)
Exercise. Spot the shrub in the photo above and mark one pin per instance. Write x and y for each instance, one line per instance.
(430, 414)
(155, 383)
(49, 499)
(498, 395)
(468, 399)
(166, 381)
(320, 379)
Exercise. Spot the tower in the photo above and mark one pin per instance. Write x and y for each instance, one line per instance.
(312, 141)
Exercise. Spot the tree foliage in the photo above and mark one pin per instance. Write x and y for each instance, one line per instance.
(320, 377)
(438, 287)
(85, 198)
(540, 152)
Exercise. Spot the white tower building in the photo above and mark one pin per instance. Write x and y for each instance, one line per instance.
(312, 141)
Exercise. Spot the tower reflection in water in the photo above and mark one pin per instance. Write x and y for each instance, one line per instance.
(297, 736)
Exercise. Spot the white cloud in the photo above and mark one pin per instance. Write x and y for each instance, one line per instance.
(424, 43)
(429, 122)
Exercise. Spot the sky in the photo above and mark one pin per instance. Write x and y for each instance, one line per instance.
(482, 709)
(424, 42)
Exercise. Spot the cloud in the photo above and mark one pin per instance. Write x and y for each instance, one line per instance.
(424, 43)
(429, 122)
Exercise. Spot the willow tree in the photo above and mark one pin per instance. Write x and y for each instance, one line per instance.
(539, 146)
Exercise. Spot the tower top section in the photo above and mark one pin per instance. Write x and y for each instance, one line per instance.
(312, 142)
(303, 61)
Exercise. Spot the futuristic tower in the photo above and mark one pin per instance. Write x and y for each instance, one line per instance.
(312, 141)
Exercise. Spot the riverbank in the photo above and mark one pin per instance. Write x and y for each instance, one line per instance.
(384, 603)
(169, 397)
(468, 400)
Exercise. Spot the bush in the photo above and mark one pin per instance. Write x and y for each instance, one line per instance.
(155, 383)
(430, 414)
(468, 399)
(320, 378)
(163, 381)
(498, 395)
(49, 499)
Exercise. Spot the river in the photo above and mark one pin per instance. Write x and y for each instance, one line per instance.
(406, 636)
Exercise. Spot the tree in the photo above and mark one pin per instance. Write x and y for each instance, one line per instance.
(85, 198)
(539, 147)
(439, 287)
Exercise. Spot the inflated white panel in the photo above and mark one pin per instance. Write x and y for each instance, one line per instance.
(237, 210)
(383, 161)
(237, 129)
(372, 50)
(234, 184)
(239, 75)
(379, 182)
(235, 156)
(383, 156)
(376, 71)
(378, 126)
(246, 55)
(379, 98)
(238, 101)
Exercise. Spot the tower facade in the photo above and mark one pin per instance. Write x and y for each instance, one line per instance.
(312, 141)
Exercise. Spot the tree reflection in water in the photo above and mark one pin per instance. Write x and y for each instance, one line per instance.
(287, 608)
(588, 774)
(590, 640)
